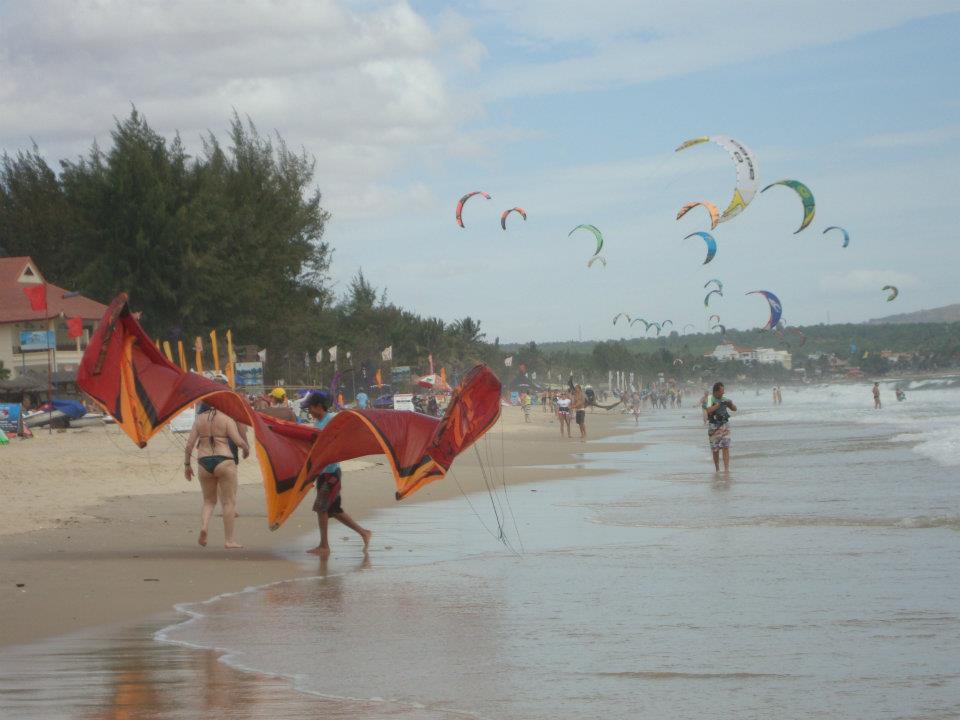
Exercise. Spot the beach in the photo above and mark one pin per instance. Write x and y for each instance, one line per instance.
(817, 579)
(99, 532)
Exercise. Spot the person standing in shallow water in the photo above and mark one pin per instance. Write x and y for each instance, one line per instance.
(718, 430)
(328, 501)
(876, 396)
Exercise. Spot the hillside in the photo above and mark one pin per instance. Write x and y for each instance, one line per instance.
(840, 339)
(945, 314)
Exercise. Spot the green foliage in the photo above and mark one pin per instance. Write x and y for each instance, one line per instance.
(232, 238)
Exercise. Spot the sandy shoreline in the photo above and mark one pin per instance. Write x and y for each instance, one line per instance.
(92, 541)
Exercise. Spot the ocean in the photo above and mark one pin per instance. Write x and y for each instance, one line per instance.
(820, 578)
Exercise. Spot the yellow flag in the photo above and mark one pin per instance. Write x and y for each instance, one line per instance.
(183, 358)
(167, 351)
(198, 354)
(231, 371)
(216, 354)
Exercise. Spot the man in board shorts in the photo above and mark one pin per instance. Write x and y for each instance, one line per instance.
(718, 409)
(328, 502)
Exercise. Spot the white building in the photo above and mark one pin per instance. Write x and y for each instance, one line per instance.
(727, 351)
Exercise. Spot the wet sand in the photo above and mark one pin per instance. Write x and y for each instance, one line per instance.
(111, 530)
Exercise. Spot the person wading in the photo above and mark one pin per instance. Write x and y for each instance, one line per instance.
(718, 431)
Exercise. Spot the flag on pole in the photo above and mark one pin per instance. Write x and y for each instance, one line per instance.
(319, 356)
(182, 356)
(262, 355)
(508, 361)
(231, 361)
(216, 351)
(348, 355)
(333, 354)
(75, 327)
(306, 360)
(443, 376)
(167, 350)
(387, 354)
(378, 378)
(198, 354)
(37, 295)
(430, 359)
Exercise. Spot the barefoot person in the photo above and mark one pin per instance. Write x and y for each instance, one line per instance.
(718, 431)
(563, 413)
(579, 406)
(876, 396)
(328, 483)
(211, 435)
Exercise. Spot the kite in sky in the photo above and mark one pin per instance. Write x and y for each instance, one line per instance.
(503, 216)
(776, 309)
(710, 207)
(748, 171)
(809, 206)
(893, 292)
(464, 199)
(711, 247)
(596, 234)
(846, 235)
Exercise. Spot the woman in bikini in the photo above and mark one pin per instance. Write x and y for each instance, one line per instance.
(563, 413)
(211, 435)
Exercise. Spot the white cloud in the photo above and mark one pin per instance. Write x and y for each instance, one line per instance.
(857, 281)
(363, 88)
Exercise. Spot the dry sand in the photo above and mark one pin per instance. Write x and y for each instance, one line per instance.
(95, 531)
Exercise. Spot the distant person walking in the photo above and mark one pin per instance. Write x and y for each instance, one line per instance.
(579, 407)
(876, 396)
(718, 429)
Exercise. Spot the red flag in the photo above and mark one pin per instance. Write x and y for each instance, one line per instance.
(75, 327)
(37, 296)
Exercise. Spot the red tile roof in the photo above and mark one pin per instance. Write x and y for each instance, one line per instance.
(15, 306)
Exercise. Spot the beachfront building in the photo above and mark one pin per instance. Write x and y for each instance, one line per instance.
(727, 351)
(26, 334)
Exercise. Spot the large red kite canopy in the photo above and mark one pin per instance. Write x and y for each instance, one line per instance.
(131, 379)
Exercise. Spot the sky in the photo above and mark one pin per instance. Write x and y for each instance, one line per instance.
(570, 110)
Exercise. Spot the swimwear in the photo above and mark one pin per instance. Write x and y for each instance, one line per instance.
(328, 493)
(581, 417)
(210, 462)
